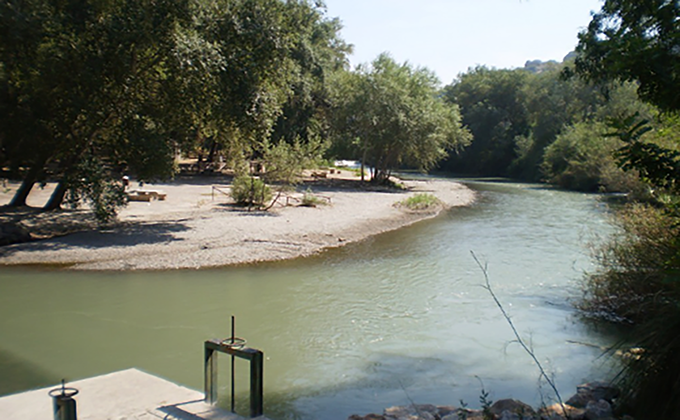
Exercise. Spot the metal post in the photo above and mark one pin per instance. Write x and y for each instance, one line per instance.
(210, 378)
(233, 370)
(63, 404)
(256, 384)
(256, 358)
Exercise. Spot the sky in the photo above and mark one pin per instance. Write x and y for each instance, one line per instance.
(451, 36)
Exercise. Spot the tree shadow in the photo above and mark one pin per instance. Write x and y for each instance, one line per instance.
(125, 235)
(19, 375)
(330, 185)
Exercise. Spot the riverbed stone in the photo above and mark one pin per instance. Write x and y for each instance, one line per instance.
(445, 410)
(512, 406)
(557, 411)
(599, 410)
(464, 413)
(412, 412)
(366, 417)
(593, 391)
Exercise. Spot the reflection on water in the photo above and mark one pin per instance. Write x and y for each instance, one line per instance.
(401, 315)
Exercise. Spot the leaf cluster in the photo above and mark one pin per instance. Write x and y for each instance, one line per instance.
(132, 83)
(634, 41)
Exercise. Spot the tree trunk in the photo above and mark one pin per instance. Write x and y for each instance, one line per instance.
(57, 197)
(27, 184)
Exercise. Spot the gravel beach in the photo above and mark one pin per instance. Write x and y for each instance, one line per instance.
(197, 225)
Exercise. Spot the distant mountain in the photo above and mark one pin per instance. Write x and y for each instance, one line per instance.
(569, 57)
(538, 66)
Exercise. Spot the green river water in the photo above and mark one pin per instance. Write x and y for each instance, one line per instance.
(399, 317)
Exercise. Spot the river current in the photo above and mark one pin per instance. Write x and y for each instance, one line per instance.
(399, 317)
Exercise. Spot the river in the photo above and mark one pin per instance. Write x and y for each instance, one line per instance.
(402, 316)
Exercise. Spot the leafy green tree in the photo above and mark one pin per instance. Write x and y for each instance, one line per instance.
(126, 84)
(582, 159)
(317, 53)
(493, 107)
(95, 80)
(391, 116)
(635, 40)
(554, 104)
(271, 84)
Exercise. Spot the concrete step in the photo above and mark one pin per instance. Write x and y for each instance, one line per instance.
(125, 395)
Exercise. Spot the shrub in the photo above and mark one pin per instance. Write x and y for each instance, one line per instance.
(421, 201)
(250, 191)
(581, 158)
(311, 200)
(638, 285)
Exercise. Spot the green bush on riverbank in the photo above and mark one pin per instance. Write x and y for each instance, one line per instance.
(638, 285)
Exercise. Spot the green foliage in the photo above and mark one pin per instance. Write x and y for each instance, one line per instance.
(318, 53)
(634, 40)
(582, 159)
(658, 164)
(97, 189)
(493, 108)
(462, 413)
(389, 116)
(92, 82)
(132, 82)
(638, 284)
(250, 191)
(311, 200)
(420, 202)
(486, 404)
(284, 162)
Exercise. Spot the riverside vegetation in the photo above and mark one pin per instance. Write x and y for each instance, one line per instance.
(94, 92)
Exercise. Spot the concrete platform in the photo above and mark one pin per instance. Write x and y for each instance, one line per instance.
(126, 395)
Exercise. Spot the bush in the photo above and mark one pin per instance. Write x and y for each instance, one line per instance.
(421, 201)
(311, 200)
(250, 191)
(582, 159)
(638, 285)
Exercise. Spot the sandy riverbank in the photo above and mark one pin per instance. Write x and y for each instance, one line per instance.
(194, 228)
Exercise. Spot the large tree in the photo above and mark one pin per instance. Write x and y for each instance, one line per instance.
(392, 116)
(317, 53)
(271, 85)
(493, 107)
(92, 87)
(89, 84)
(635, 41)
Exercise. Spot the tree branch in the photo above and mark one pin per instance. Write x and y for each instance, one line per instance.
(527, 349)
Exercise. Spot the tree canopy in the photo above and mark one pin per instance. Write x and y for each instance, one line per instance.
(635, 41)
(123, 85)
(391, 116)
(494, 109)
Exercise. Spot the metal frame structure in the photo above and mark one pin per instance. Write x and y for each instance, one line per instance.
(256, 358)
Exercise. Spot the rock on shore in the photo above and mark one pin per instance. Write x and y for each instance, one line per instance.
(592, 401)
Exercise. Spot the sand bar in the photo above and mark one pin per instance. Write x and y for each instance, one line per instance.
(197, 225)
